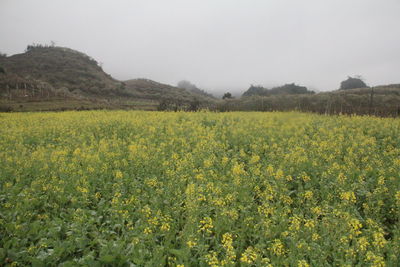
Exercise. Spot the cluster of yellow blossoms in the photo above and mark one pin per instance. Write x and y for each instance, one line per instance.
(133, 188)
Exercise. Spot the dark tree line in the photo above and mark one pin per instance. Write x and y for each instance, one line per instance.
(289, 88)
(177, 105)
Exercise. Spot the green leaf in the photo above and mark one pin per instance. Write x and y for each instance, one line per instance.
(107, 258)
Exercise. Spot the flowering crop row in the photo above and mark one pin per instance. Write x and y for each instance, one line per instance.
(132, 188)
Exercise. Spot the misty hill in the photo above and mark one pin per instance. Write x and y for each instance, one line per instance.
(62, 68)
(291, 89)
(148, 89)
(47, 73)
(193, 88)
(381, 100)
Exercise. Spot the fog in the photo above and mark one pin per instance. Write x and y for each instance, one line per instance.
(219, 45)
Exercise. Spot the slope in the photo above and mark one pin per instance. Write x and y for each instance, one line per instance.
(49, 74)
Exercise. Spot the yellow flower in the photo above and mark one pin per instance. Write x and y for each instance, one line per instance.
(315, 236)
(362, 243)
(249, 255)
(254, 159)
(206, 225)
(237, 169)
(191, 244)
(224, 160)
(295, 223)
(302, 263)
(341, 177)
(308, 195)
(309, 223)
(165, 227)
(118, 174)
(207, 163)
(348, 196)
(227, 241)
(376, 261)
(212, 259)
(379, 240)
(316, 210)
(278, 247)
(147, 231)
(305, 177)
(355, 226)
(397, 197)
(279, 174)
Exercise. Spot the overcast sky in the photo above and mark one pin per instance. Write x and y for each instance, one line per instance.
(218, 44)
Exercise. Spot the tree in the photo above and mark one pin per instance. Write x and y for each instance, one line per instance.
(163, 105)
(194, 105)
(2, 70)
(352, 83)
(227, 96)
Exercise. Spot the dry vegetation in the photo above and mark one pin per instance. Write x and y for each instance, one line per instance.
(58, 74)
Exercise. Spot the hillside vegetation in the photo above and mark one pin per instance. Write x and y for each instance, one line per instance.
(289, 89)
(379, 101)
(59, 78)
(46, 74)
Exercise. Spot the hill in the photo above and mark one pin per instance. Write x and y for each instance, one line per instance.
(62, 68)
(148, 89)
(289, 89)
(193, 88)
(47, 75)
(379, 100)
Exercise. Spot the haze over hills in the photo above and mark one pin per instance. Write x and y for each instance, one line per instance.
(59, 78)
(47, 73)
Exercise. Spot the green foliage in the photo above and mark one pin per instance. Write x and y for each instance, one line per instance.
(118, 188)
(194, 105)
(227, 96)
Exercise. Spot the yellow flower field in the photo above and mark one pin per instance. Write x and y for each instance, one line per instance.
(135, 188)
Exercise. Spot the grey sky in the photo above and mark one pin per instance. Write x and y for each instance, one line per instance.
(218, 44)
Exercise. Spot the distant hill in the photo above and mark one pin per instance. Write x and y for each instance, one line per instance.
(47, 73)
(62, 68)
(148, 89)
(193, 88)
(291, 89)
(381, 100)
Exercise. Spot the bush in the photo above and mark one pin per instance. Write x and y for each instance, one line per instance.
(227, 96)
(4, 108)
